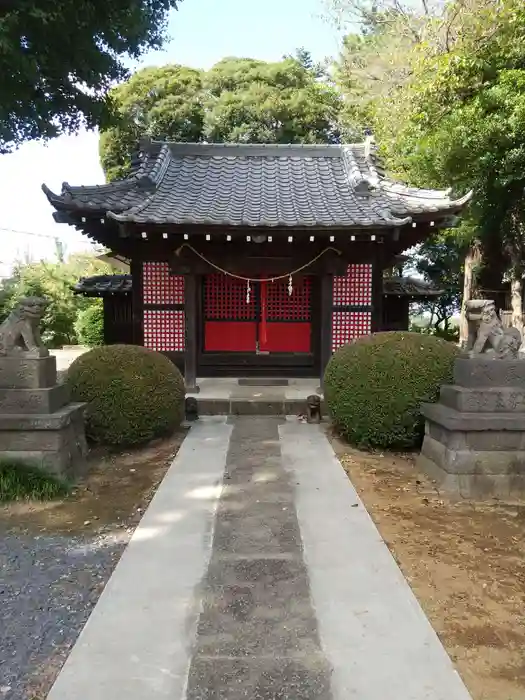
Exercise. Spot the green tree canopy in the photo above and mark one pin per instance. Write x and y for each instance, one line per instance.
(58, 60)
(239, 100)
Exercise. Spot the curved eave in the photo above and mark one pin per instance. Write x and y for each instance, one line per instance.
(430, 207)
(383, 222)
(56, 200)
(414, 295)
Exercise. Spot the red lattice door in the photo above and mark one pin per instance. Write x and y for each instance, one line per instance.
(230, 318)
(267, 320)
(284, 322)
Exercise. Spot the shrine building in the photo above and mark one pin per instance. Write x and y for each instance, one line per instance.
(253, 260)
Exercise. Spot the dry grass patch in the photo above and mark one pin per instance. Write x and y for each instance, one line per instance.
(115, 493)
(464, 561)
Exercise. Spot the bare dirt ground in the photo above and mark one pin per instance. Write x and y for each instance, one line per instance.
(114, 495)
(464, 561)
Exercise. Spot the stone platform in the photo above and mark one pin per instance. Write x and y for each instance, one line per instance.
(264, 397)
(474, 443)
(38, 424)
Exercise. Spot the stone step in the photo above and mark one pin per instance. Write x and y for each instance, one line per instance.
(33, 401)
(255, 407)
(483, 400)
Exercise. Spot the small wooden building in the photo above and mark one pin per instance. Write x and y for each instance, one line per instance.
(253, 260)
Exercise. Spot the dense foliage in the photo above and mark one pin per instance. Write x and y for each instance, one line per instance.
(53, 280)
(239, 100)
(448, 109)
(58, 60)
(133, 394)
(374, 387)
(89, 325)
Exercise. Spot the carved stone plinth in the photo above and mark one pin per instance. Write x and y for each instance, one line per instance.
(474, 443)
(38, 425)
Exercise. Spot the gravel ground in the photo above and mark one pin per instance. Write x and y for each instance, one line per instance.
(48, 587)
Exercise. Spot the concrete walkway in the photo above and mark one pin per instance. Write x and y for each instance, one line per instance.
(257, 573)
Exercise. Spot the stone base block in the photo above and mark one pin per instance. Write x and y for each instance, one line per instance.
(30, 401)
(480, 372)
(476, 440)
(484, 400)
(28, 372)
(455, 420)
(54, 443)
(473, 485)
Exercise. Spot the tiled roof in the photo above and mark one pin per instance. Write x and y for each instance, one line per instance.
(257, 186)
(409, 286)
(105, 285)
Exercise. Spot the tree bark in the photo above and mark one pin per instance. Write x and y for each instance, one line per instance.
(516, 297)
(472, 260)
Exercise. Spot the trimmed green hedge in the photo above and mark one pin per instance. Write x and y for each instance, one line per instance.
(374, 387)
(133, 394)
(89, 325)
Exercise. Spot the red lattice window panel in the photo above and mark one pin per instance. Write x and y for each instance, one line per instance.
(159, 287)
(225, 299)
(283, 306)
(164, 330)
(348, 325)
(355, 288)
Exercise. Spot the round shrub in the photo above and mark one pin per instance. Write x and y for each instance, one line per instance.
(374, 387)
(89, 325)
(133, 394)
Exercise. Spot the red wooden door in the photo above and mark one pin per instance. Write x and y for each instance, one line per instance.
(284, 318)
(268, 320)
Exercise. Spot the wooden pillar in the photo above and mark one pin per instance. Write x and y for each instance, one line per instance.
(327, 286)
(377, 290)
(108, 330)
(138, 302)
(190, 350)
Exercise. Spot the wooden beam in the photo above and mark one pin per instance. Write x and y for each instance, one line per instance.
(190, 350)
(138, 302)
(327, 285)
(377, 291)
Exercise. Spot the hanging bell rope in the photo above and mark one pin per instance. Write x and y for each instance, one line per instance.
(287, 275)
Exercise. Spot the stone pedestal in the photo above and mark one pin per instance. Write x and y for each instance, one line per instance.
(38, 424)
(474, 443)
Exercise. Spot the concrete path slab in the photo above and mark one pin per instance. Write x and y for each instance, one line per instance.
(137, 643)
(257, 573)
(257, 634)
(372, 628)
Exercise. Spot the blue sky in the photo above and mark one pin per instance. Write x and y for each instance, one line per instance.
(202, 32)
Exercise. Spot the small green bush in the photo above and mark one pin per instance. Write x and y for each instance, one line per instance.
(133, 394)
(21, 481)
(89, 325)
(374, 387)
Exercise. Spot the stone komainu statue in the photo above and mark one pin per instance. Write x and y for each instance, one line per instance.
(20, 331)
(486, 333)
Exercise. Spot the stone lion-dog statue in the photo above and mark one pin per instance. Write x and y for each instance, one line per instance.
(486, 333)
(20, 332)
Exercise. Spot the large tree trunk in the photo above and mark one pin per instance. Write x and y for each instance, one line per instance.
(472, 261)
(516, 297)
(492, 268)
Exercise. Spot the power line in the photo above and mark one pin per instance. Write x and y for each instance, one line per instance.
(29, 233)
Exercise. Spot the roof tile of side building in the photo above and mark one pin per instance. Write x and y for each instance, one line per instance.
(258, 186)
(106, 285)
